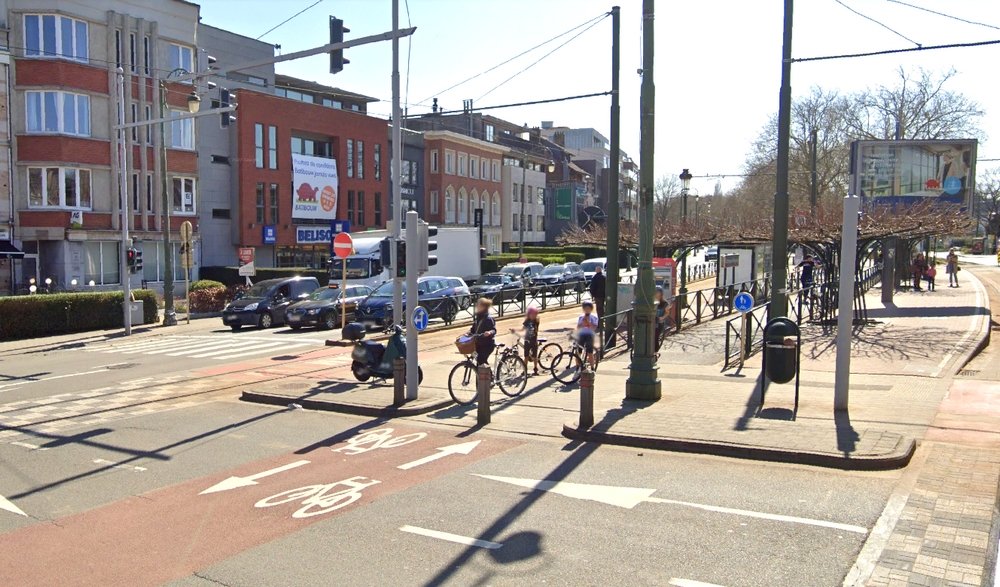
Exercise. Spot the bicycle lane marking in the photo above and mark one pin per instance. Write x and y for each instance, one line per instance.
(172, 532)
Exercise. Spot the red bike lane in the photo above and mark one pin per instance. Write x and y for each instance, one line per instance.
(172, 532)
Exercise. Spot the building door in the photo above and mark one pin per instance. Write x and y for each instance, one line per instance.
(28, 275)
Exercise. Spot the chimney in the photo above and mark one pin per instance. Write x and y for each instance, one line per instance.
(546, 124)
(434, 107)
(559, 139)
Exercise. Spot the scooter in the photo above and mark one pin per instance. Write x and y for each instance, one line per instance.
(373, 359)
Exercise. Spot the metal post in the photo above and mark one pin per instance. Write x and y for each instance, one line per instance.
(614, 214)
(397, 165)
(643, 382)
(845, 318)
(412, 261)
(814, 182)
(398, 383)
(169, 317)
(124, 272)
(888, 269)
(779, 247)
(483, 380)
(586, 399)
(343, 295)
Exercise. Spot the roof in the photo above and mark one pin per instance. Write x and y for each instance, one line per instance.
(287, 81)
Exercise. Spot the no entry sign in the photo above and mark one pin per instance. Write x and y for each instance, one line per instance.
(343, 245)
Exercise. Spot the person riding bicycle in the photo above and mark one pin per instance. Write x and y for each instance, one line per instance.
(531, 326)
(807, 266)
(484, 329)
(586, 326)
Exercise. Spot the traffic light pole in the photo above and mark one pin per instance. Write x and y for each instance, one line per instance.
(412, 272)
(397, 167)
(779, 247)
(125, 271)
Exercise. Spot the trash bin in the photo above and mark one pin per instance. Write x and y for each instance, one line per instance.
(781, 350)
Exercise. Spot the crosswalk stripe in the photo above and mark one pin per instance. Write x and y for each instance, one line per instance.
(241, 355)
(186, 347)
(142, 345)
(226, 347)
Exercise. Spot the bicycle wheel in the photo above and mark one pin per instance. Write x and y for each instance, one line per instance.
(567, 367)
(547, 354)
(512, 375)
(462, 383)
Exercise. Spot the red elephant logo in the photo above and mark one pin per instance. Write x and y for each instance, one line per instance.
(307, 193)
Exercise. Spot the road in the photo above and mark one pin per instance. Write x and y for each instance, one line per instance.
(133, 463)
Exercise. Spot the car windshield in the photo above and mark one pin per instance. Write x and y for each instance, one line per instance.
(553, 270)
(591, 266)
(357, 268)
(385, 290)
(515, 271)
(494, 279)
(325, 293)
(259, 290)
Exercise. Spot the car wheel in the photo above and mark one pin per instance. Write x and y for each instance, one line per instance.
(265, 321)
(236, 327)
(330, 320)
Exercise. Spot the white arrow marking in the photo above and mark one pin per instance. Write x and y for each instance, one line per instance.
(6, 505)
(629, 497)
(237, 482)
(452, 537)
(460, 449)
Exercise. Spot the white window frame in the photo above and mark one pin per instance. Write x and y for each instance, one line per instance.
(149, 193)
(133, 51)
(485, 169)
(182, 132)
(463, 162)
(463, 207)
(496, 209)
(272, 147)
(258, 144)
(185, 58)
(473, 167)
(496, 170)
(135, 118)
(434, 162)
(60, 40)
(434, 202)
(449, 207)
(61, 97)
(148, 129)
(449, 162)
(361, 159)
(79, 171)
(145, 54)
(185, 209)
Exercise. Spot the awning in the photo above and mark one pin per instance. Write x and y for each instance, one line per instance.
(9, 251)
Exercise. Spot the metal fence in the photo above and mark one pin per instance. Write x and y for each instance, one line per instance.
(710, 304)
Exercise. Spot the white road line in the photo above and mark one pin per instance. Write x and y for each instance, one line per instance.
(452, 537)
(191, 349)
(238, 349)
(762, 516)
(689, 583)
(119, 347)
(100, 369)
(188, 346)
(241, 355)
(133, 348)
(28, 446)
(973, 328)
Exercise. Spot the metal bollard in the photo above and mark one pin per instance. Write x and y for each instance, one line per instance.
(586, 399)
(398, 381)
(483, 381)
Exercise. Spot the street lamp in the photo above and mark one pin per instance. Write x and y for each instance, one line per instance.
(685, 178)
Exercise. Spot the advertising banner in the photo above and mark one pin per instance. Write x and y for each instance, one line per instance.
(908, 172)
(316, 187)
(564, 204)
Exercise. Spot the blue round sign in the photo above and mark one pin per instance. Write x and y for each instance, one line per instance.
(952, 185)
(420, 318)
(743, 302)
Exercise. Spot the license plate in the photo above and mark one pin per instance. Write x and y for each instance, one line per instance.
(294, 318)
(231, 318)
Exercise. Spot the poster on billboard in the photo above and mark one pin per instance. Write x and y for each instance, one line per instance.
(910, 172)
(316, 187)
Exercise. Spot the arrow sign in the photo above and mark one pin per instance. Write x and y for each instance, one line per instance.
(237, 482)
(455, 449)
(6, 505)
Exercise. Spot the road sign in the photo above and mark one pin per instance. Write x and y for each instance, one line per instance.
(420, 318)
(343, 245)
(186, 230)
(743, 302)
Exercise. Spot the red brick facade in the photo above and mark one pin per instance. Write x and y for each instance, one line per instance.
(67, 75)
(63, 149)
(438, 181)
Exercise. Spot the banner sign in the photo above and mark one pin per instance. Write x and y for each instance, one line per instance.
(907, 172)
(564, 204)
(316, 187)
(313, 235)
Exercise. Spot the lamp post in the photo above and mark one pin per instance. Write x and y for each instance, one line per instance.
(193, 104)
(685, 178)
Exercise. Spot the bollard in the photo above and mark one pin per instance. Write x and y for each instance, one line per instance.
(586, 399)
(398, 381)
(483, 381)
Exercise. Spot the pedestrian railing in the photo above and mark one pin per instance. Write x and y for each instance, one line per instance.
(616, 329)
(712, 303)
(754, 340)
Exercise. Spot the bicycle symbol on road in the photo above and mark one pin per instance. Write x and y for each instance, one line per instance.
(317, 500)
(381, 438)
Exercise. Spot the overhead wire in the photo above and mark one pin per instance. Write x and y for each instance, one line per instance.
(275, 27)
(885, 26)
(892, 51)
(959, 19)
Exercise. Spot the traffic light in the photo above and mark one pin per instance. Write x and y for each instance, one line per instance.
(337, 30)
(137, 263)
(385, 252)
(424, 231)
(224, 103)
(400, 258)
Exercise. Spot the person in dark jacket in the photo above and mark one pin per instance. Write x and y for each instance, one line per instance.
(598, 289)
(484, 329)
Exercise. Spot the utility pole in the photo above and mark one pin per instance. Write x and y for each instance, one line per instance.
(642, 381)
(397, 169)
(614, 214)
(814, 181)
(779, 246)
(169, 316)
(125, 271)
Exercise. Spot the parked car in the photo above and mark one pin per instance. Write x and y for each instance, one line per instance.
(324, 307)
(438, 295)
(712, 253)
(497, 286)
(561, 278)
(264, 304)
(462, 290)
(523, 272)
(590, 265)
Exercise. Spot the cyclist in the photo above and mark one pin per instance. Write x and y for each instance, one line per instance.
(484, 329)
(531, 326)
(586, 325)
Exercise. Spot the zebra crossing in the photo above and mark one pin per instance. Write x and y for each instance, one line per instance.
(219, 348)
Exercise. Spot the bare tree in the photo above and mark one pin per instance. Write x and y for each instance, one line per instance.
(666, 196)
(988, 194)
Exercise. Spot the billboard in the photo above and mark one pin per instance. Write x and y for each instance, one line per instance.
(564, 204)
(316, 187)
(908, 172)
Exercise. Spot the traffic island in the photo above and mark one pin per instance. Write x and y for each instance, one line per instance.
(359, 399)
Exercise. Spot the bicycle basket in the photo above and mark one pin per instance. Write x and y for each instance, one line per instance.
(466, 344)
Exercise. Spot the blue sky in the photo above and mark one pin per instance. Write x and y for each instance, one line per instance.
(717, 61)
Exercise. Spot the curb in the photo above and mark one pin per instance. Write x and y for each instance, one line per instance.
(898, 459)
(342, 408)
(983, 336)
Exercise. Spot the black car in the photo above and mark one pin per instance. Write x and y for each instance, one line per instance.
(324, 307)
(497, 286)
(264, 304)
(561, 278)
(437, 295)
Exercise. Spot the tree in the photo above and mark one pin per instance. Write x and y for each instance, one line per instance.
(666, 197)
(988, 197)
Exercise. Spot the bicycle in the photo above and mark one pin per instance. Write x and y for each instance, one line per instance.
(567, 367)
(509, 372)
(547, 353)
(317, 499)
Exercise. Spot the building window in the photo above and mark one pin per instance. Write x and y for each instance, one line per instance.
(181, 58)
(148, 129)
(409, 172)
(361, 159)
(59, 112)
(59, 187)
(135, 193)
(274, 203)
(181, 132)
(434, 161)
(332, 103)
(43, 38)
(496, 210)
(449, 162)
(541, 223)
(515, 224)
(135, 118)
(145, 54)
(378, 209)
(149, 192)
(378, 163)
(541, 197)
(101, 262)
(257, 81)
(350, 158)
(463, 216)
(132, 49)
(449, 207)
(463, 170)
(496, 170)
(118, 48)
(490, 132)
(184, 195)
(513, 193)
(486, 169)
(272, 147)
(529, 224)
(260, 203)
(434, 202)
(220, 213)
(258, 143)
(361, 209)
(473, 167)
(350, 204)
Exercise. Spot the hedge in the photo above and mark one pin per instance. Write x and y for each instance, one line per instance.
(206, 284)
(209, 299)
(229, 276)
(65, 313)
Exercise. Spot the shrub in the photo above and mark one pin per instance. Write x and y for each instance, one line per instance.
(212, 299)
(47, 315)
(206, 284)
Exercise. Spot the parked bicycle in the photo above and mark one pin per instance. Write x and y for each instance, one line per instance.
(547, 353)
(567, 366)
(509, 373)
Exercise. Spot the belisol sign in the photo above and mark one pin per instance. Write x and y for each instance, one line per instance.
(313, 235)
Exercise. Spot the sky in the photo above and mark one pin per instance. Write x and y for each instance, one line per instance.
(717, 62)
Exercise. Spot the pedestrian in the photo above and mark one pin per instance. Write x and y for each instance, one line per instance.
(586, 326)
(807, 265)
(951, 267)
(531, 326)
(917, 269)
(484, 328)
(598, 289)
(930, 274)
(661, 317)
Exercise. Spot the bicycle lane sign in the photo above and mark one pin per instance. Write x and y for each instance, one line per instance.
(223, 514)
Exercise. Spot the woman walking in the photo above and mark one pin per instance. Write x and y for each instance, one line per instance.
(952, 268)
